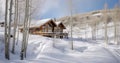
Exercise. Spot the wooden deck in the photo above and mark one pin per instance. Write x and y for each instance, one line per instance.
(57, 35)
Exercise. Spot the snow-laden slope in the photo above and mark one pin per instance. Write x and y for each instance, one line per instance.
(41, 50)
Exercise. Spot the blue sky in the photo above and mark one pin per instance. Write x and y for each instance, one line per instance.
(59, 8)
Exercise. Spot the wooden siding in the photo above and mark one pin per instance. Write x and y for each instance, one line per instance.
(49, 29)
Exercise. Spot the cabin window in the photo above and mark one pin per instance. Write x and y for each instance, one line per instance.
(43, 29)
(55, 29)
(30, 30)
(37, 29)
(58, 30)
(49, 29)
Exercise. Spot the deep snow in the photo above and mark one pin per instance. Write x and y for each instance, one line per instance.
(41, 50)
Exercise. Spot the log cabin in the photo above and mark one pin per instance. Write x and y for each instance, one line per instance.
(48, 28)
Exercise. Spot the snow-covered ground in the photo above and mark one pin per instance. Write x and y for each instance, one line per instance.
(41, 50)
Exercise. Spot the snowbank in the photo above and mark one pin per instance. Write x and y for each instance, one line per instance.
(41, 50)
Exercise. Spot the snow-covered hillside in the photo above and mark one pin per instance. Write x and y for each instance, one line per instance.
(41, 50)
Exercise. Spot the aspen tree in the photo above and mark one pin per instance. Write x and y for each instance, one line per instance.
(116, 19)
(18, 25)
(28, 25)
(6, 31)
(71, 22)
(23, 49)
(9, 28)
(106, 18)
(15, 25)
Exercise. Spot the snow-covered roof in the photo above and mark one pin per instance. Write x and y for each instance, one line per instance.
(39, 22)
(58, 22)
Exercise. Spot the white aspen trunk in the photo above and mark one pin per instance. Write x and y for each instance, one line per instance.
(85, 34)
(117, 12)
(23, 49)
(106, 37)
(93, 33)
(85, 31)
(97, 30)
(6, 34)
(18, 30)
(27, 37)
(27, 27)
(9, 27)
(71, 24)
(115, 33)
(118, 23)
(15, 25)
(119, 26)
(18, 24)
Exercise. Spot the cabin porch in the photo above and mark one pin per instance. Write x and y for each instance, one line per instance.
(51, 34)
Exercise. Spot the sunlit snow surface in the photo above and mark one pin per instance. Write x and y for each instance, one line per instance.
(41, 50)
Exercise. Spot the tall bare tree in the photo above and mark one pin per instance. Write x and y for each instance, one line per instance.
(15, 25)
(106, 19)
(8, 27)
(10, 21)
(116, 21)
(71, 23)
(24, 42)
(93, 31)
(6, 32)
